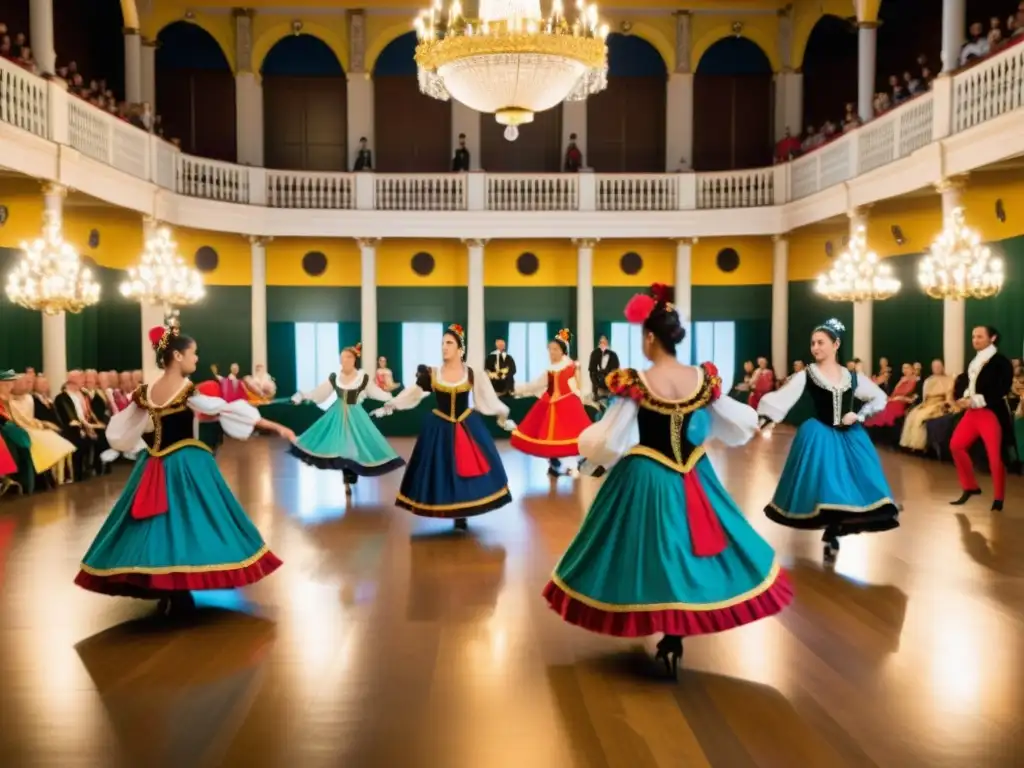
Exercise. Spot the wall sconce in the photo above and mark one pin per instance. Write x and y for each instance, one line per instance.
(1000, 211)
(897, 234)
(626, 27)
(737, 28)
(297, 27)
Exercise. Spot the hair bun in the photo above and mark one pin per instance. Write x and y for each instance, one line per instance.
(156, 334)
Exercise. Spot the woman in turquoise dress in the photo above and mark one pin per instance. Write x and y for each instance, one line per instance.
(345, 438)
(176, 526)
(833, 478)
(455, 471)
(664, 548)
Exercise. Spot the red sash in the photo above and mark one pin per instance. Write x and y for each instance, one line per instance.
(151, 495)
(469, 459)
(706, 535)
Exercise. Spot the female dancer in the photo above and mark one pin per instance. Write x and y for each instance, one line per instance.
(345, 437)
(176, 526)
(664, 548)
(554, 423)
(833, 478)
(454, 471)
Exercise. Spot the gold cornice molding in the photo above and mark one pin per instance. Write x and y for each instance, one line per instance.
(53, 188)
(368, 242)
(259, 240)
(585, 242)
(958, 182)
(475, 242)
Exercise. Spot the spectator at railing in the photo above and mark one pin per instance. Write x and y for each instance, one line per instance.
(914, 85)
(977, 44)
(850, 119)
(5, 47)
(897, 91)
(787, 148)
(573, 156)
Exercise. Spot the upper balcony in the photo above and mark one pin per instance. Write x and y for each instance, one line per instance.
(964, 123)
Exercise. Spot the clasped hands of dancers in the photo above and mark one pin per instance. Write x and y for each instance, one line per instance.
(663, 548)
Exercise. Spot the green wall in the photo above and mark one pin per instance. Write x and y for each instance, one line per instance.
(908, 327)
(221, 324)
(807, 310)
(1005, 311)
(106, 336)
(21, 330)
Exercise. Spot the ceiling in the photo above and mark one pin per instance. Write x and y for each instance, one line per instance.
(388, 6)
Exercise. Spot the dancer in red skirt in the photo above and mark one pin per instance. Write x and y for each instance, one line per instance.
(552, 427)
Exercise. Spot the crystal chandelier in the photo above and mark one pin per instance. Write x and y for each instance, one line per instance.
(959, 266)
(162, 277)
(511, 61)
(50, 277)
(858, 274)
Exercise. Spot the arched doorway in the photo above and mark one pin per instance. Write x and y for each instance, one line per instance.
(626, 122)
(305, 106)
(830, 71)
(733, 107)
(196, 91)
(412, 132)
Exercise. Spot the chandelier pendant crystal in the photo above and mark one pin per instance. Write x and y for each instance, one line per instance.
(162, 278)
(958, 266)
(50, 277)
(858, 274)
(511, 61)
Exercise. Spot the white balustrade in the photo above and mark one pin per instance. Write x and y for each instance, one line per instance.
(988, 89)
(23, 99)
(89, 130)
(533, 192)
(212, 179)
(642, 192)
(419, 191)
(166, 163)
(306, 189)
(736, 189)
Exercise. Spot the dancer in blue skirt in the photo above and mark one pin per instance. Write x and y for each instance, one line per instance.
(455, 471)
(664, 548)
(833, 478)
(345, 437)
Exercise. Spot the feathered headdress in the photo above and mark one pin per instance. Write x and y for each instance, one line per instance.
(459, 332)
(356, 349)
(833, 326)
(160, 335)
(641, 305)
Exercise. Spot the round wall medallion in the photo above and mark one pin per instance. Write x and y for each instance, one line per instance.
(829, 249)
(728, 260)
(423, 263)
(94, 238)
(206, 259)
(631, 263)
(527, 264)
(3, 215)
(314, 263)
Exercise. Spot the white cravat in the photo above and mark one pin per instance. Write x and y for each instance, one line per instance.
(973, 371)
(77, 399)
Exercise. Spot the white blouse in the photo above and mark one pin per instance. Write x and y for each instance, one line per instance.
(237, 419)
(485, 399)
(539, 385)
(602, 443)
(775, 405)
(325, 390)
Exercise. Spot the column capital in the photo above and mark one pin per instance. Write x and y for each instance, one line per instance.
(53, 188)
(958, 183)
(126, 31)
(783, 238)
(475, 242)
(368, 242)
(147, 43)
(687, 240)
(868, 24)
(259, 240)
(585, 242)
(244, 12)
(859, 211)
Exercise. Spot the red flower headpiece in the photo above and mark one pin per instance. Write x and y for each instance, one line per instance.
(159, 335)
(458, 331)
(639, 308)
(356, 349)
(564, 335)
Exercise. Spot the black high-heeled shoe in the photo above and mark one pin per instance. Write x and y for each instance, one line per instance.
(670, 651)
(965, 497)
(831, 551)
(461, 524)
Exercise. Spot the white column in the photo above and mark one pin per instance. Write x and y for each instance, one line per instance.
(55, 348)
(476, 342)
(40, 23)
(863, 311)
(466, 121)
(788, 84)
(954, 32)
(368, 300)
(867, 47)
(132, 66)
(151, 315)
(149, 73)
(574, 120)
(954, 319)
(679, 122)
(258, 248)
(780, 305)
(684, 293)
(360, 114)
(584, 305)
(249, 118)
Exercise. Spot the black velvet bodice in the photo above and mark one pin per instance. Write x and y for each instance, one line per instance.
(451, 401)
(174, 424)
(830, 403)
(349, 396)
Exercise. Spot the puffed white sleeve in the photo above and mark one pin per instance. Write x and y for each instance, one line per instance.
(318, 395)
(732, 423)
(237, 419)
(372, 391)
(604, 441)
(126, 428)
(486, 400)
(532, 388)
(873, 396)
(407, 399)
(775, 405)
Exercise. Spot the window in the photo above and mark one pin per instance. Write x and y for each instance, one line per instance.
(316, 355)
(627, 342)
(421, 345)
(716, 342)
(528, 345)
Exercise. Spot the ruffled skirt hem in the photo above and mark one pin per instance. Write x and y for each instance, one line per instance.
(683, 623)
(151, 586)
(347, 465)
(881, 516)
(544, 449)
(456, 510)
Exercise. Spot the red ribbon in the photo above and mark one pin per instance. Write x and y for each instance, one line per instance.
(469, 459)
(151, 495)
(706, 535)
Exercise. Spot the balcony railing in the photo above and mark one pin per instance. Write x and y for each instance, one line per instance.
(991, 89)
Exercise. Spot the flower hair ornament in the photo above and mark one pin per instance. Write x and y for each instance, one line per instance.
(639, 308)
(833, 326)
(356, 349)
(160, 335)
(460, 333)
(564, 336)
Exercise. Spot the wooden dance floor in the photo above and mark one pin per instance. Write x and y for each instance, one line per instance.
(388, 641)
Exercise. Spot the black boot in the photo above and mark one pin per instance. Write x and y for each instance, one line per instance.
(831, 540)
(670, 651)
(966, 497)
(461, 524)
(997, 505)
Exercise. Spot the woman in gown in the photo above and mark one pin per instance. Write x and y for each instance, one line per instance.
(664, 548)
(50, 451)
(761, 383)
(554, 423)
(384, 378)
(455, 471)
(900, 400)
(741, 391)
(937, 401)
(176, 526)
(345, 438)
(832, 479)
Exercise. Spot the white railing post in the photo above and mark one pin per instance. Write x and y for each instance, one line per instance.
(57, 111)
(942, 107)
(257, 185)
(687, 191)
(365, 190)
(587, 191)
(780, 183)
(476, 191)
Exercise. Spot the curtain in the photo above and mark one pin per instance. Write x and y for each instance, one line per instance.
(281, 357)
(807, 310)
(908, 327)
(389, 344)
(1004, 311)
(753, 340)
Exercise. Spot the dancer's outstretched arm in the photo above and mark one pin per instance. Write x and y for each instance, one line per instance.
(487, 402)
(775, 405)
(604, 442)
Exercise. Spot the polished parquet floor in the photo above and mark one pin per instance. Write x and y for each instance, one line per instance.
(388, 641)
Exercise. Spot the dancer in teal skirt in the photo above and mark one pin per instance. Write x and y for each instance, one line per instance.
(664, 548)
(176, 527)
(833, 479)
(345, 438)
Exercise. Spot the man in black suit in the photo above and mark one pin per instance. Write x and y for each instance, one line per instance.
(602, 362)
(79, 425)
(364, 157)
(460, 162)
(501, 369)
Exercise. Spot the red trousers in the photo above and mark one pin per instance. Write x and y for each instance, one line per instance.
(979, 423)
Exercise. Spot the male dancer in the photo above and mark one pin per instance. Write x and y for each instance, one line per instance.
(986, 418)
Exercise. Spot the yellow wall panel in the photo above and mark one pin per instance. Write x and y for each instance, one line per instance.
(120, 234)
(220, 25)
(394, 263)
(659, 262)
(234, 255)
(24, 216)
(755, 261)
(284, 261)
(268, 28)
(706, 29)
(979, 202)
(556, 263)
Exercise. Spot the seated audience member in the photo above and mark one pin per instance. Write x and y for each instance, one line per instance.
(937, 400)
(1016, 397)
(50, 451)
(900, 400)
(385, 378)
(260, 386)
(940, 429)
(80, 426)
(787, 148)
(15, 438)
(761, 382)
(976, 46)
(231, 387)
(913, 84)
(741, 391)
(798, 365)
